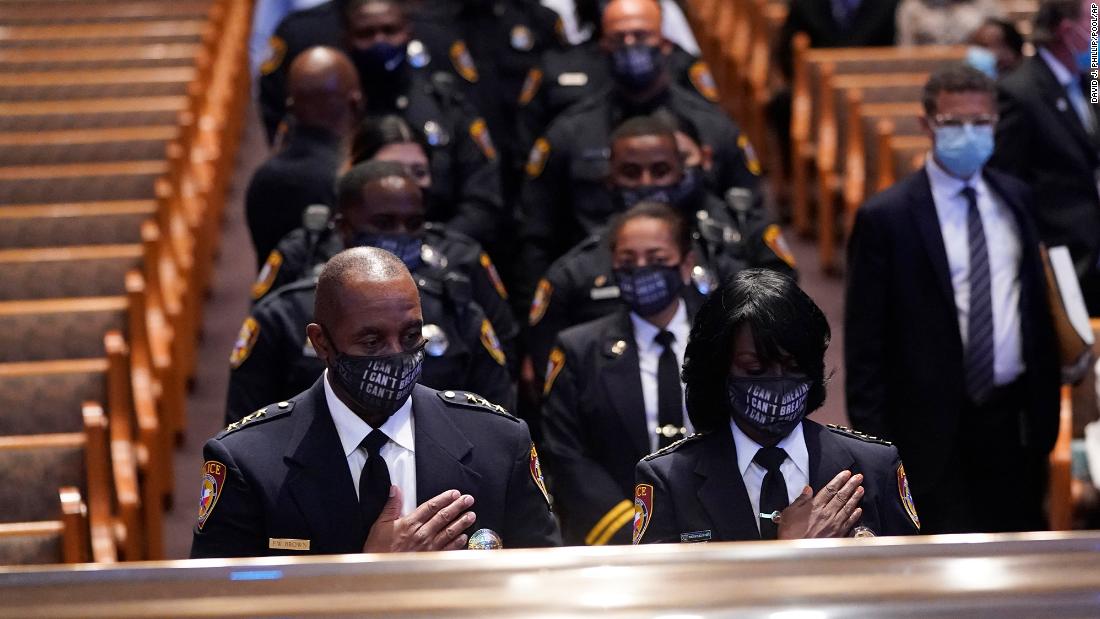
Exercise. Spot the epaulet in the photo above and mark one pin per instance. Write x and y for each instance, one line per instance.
(673, 447)
(266, 413)
(856, 434)
(466, 399)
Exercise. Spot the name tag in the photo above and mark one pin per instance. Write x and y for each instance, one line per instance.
(573, 79)
(278, 543)
(695, 537)
(602, 294)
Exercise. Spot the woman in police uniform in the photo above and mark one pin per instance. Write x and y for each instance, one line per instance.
(757, 469)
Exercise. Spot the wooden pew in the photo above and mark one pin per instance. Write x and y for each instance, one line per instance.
(133, 55)
(90, 113)
(75, 35)
(74, 271)
(42, 13)
(108, 222)
(110, 180)
(85, 145)
(63, 540)
(94, 82)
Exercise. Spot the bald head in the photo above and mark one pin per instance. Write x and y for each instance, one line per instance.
(323, 89)
(359, 272)
(632, 16)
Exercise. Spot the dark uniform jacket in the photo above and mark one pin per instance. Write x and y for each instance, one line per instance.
(463, 351)
(693, 491)
(903, 351)
(1040, 140)
(594, 427)
(282, 475)
(566, 76)
(303, 173)
(565, 194)
(580, 285)
(302, 251)
(873, 24)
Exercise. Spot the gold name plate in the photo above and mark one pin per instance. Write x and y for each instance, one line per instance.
(287, 544)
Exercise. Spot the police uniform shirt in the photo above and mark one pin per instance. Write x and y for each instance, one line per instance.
(649, 355)
(1003, 243)
(399, 452)
(795, 469)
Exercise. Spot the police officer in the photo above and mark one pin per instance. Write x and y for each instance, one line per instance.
(613, 392)
(646, 165)
(381, 207)
(367, 459)
(568, 166)
(757, 468)
(326, 100)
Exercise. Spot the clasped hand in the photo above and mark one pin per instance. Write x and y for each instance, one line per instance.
(831, 513)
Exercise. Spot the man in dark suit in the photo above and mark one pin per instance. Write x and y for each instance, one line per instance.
(1048, 136)
(325, 99)
(366, 458)
(949, 344)
(613, 390)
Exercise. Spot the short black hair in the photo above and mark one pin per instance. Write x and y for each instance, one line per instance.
(1050, 14)
(680, 123)
(681, 232)
(782, 318)
(356, 263)
(1013, 39)
(349, 187)
(955, 78)
(377, 132)
(637, 126)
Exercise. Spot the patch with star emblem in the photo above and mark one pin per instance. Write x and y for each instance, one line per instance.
(246, 339)
(490, 342)
(479, 133)
(541, 302)
(530, 86)
(751, 160)
(267, 274)
(907, 497)
(773, 238)
(536, 473)
(703, 80)
(536, 160)
(276, 53)
(491, 269)
(554, 367)
(643, 510)
(521, 38)
(417, 54)
(463, 61)
(213, 482)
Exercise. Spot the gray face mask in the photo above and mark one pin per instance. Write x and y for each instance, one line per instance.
(379, 384)
(771, 405)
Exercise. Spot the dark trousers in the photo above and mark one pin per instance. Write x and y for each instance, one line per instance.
(993, 482)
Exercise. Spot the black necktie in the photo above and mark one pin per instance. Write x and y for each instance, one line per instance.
(374, 482)
(670, 399)
(979, 327)
(773, 491)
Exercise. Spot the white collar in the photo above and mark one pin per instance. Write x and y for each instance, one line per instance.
(679, 326)
(794, 444)
(352, 429)
(1061, 73)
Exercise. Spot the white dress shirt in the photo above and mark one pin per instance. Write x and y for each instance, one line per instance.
(1073, 92)
(399, 452)
(1002, 238)
(795, 469)
(649, 355)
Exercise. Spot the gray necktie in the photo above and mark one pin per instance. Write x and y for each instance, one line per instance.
(979, 328)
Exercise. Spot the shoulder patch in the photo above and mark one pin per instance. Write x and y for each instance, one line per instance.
(773, 238)
(246, 339)
(907, 497)
(643, 510)
(490, 341)
(479, 133)
(530, 86)
(536, 473)
(554, 366)
(521, 38)
(266, 413)
(213, 482)
(703, 80)
(536, 160)
(267, 274)
(494, 276)
(673, 447)
(275, 55)
(751, 160)
(467, 399)
(463, 62)
(856, 434)
(541, 302)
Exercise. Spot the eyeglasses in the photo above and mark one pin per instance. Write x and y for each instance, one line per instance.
(946, 120)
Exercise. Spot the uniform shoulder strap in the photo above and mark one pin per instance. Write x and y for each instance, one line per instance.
(856, 434)
(472, 401)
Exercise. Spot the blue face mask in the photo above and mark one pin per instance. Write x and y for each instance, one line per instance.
(983, 60)
(1084, 60)
(963, 150)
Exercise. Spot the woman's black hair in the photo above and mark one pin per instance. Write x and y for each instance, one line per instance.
(377, 132)
(783, 320)
(1013, 39)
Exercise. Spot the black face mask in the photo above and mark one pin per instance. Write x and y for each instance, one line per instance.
(636, 67)
(407, 247)
(682, 196)
(648, 290)
(378, 384)
(378, 63)
(772, 406)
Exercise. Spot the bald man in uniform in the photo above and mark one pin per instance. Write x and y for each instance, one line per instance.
(368, 460)
(325, 99)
